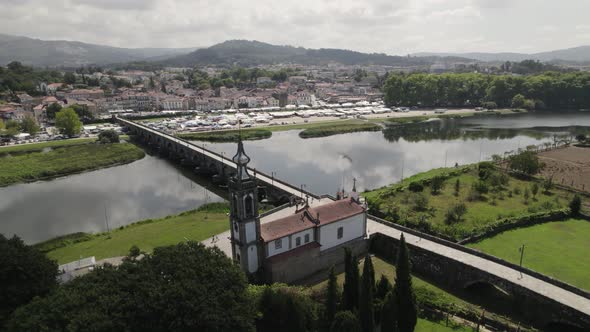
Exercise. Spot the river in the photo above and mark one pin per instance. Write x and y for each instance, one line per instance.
(152, 187)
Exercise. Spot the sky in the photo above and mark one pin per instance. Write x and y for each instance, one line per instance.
(385, 26)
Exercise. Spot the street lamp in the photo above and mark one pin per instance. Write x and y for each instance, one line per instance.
(521, 249)
(272, 178)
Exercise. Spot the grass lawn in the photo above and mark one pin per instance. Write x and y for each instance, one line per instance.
(430, 326)
(480, 212)
(556, 249)
(228, 135)
(37, 165)
(146, 235)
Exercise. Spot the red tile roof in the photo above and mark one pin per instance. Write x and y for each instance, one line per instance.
(306, 218)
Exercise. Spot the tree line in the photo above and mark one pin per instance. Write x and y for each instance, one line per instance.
(547, 90)
(18, 77)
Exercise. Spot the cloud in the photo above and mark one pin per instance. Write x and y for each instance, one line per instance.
(389, 26)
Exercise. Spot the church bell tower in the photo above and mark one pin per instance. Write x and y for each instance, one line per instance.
(244, 219)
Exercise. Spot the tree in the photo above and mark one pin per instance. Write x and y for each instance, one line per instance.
(185, 287)
(24, 274)
(331, 297)
(547, 185)
(108, 136)
(535, 189)
(69, 78)
(526, 195)
(404, 293)
(29, 125)
(389, 313)
(346, 321)
(437, 184)
(457, 187)
(526, 162)
(350, 293)
(52, 109)
(455, 213)
(575, 205)
(68, 122)
(383, 287)
(134, 251)
(518, 101)
(285, 309)
(366, 309)
(83, 112)
(581, 138)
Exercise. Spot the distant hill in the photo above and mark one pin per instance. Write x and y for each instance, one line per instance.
(61, 53)
(247, 53)
(576, 54)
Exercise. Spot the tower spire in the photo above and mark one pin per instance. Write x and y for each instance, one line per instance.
(241, 159)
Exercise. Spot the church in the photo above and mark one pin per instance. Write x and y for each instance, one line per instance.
(296, 242)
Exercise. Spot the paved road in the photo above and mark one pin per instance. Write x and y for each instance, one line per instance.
(546, 289)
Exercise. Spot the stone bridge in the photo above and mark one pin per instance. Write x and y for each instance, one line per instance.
(545, 302)
(209, 163)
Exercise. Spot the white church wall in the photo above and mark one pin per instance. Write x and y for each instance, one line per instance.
(252, 258)
(272, 250)
(353, 227)
(302, 236)
(250, 232)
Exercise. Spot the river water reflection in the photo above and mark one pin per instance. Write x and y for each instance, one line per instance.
(152, 187)
(148, 188)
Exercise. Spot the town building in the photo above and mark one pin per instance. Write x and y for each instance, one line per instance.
(303, 240)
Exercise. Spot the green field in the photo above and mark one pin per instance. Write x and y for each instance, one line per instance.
(555, 249)
(430, 326)
(32, 165)
(340, 128)
(400, 204)
(147, 235)
(228, 135)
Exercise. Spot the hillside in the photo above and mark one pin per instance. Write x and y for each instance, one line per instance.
(575, 54)
(61, 53)
(247, 53)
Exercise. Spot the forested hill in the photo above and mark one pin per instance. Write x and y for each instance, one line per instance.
(61, 53)
(249, 53)
(548, 90)
(579, 54)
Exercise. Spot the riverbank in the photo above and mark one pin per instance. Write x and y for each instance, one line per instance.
(228, 135)
(196, 225)
(50, 160)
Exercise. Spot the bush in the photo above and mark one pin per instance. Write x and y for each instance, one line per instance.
(575, 205)
(415, 187)
(489, 105)
(420, 202)
(437, 184)
(108, 136)
(525, 162)
(455, 213)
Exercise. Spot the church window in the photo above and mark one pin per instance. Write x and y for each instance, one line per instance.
(278, 244)
(249, 206)
(298, 241)
(306, 238)
(340, 232)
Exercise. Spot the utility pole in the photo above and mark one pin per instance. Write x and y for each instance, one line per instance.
(272, 178)
(446, 152)
(106, 218)
(402, 180)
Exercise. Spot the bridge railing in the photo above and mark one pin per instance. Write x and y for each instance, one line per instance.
(483, 255)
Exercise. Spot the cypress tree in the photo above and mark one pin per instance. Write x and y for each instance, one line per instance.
(389, 313)
(383, 287)
(350, 295)
(366, 305)
(404, 294)
(331, 297)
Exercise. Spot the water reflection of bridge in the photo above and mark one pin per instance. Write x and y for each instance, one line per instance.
(542, 300)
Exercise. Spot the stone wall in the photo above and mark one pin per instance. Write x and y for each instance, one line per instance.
(303, 266)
